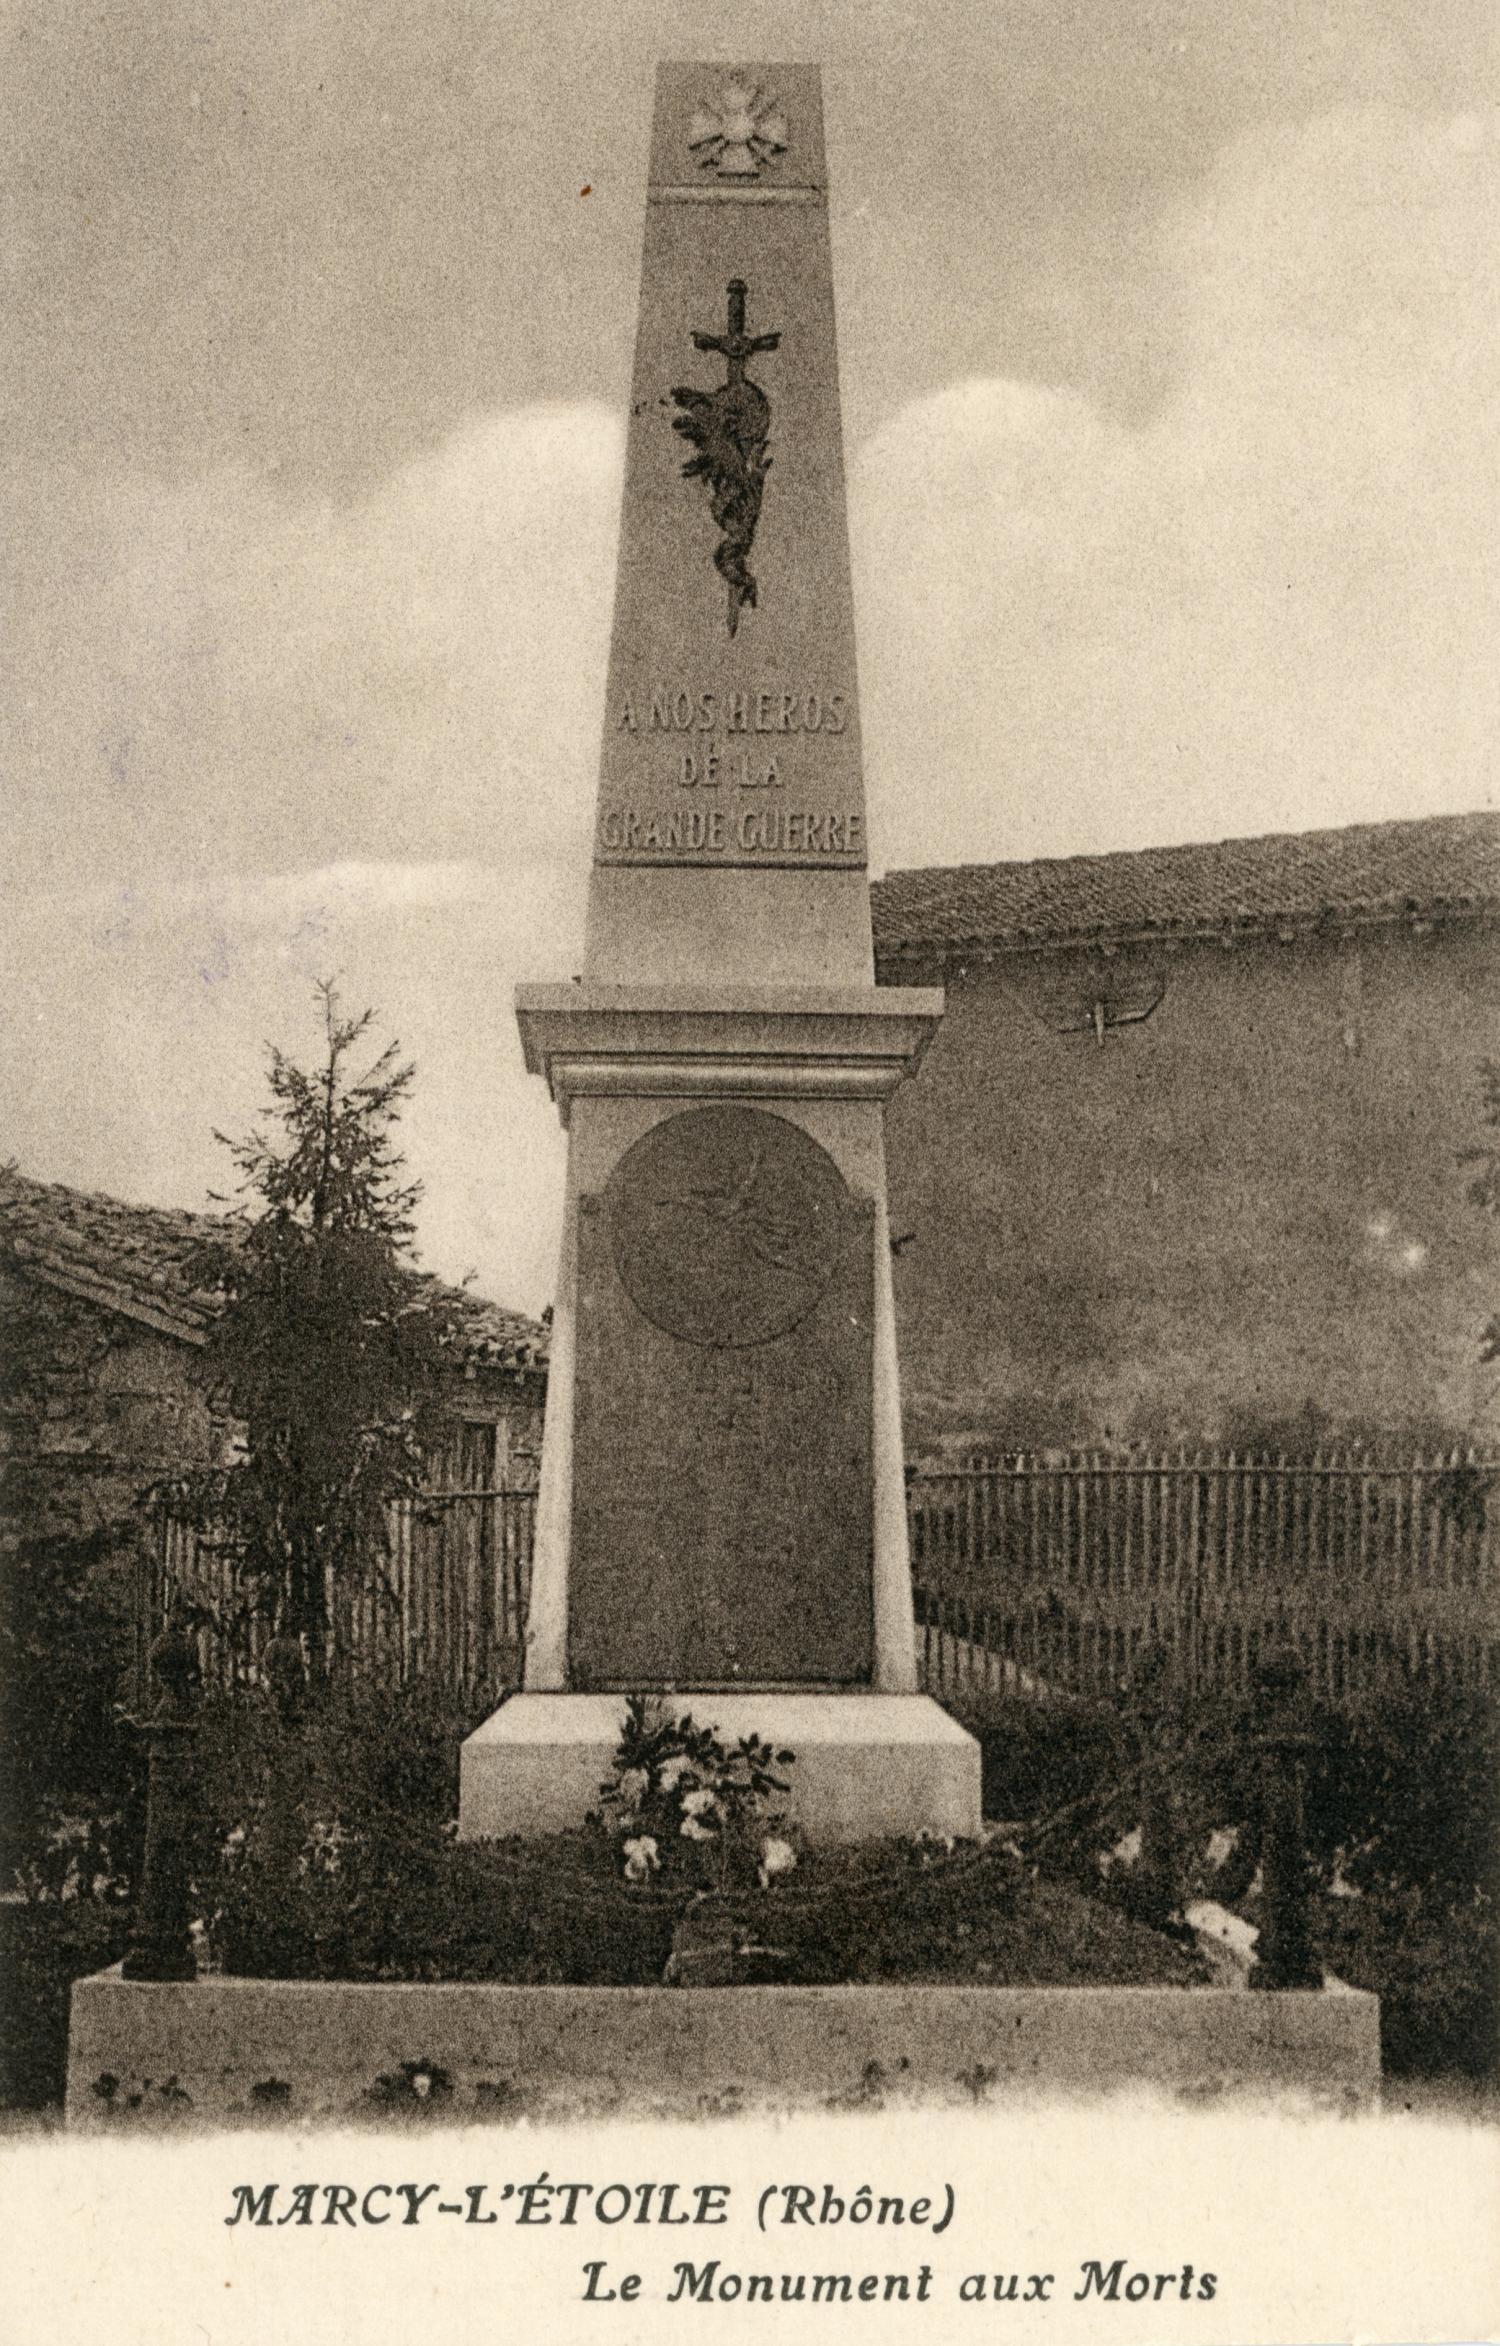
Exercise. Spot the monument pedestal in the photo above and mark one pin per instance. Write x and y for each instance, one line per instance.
(722, 1513)
(868, 1766)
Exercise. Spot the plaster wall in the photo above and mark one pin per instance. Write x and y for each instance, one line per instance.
(1243, 1218)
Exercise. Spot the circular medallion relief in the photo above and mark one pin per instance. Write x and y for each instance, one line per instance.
(726, 1224)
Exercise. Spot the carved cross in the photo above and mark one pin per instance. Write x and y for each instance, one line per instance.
(735, 344)
(739, 131)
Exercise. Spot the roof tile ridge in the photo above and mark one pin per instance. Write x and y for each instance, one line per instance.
(1485, 818)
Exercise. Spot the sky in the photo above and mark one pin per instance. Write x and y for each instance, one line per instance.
(1170, 354)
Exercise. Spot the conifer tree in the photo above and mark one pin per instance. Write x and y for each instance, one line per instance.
(330, 1347)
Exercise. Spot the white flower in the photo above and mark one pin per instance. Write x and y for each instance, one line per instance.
(776, 1857)
(694, 1829)
(641, 1858)
(634, 1784)
(323, 1848)
(1126, 1852)
(234, 1840)
(421, 2084)
(1008, 1846)
(673, 1770)
(700, 1804)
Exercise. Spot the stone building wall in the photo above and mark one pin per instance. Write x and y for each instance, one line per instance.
(96, 1410)
(1240, 1218)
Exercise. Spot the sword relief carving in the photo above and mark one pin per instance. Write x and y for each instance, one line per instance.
(729, 428)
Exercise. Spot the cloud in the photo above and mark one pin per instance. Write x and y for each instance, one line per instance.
(137, 1025)
(264, 740)
(1271, 606)
(260, 737)
(343, 893)
(222, 679)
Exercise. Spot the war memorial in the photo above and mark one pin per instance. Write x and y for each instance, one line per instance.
(721, 1516)
(722, 1500)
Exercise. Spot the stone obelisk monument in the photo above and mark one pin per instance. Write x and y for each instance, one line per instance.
(721, 1515)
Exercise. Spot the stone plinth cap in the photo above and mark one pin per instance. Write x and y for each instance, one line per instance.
(807, 1042)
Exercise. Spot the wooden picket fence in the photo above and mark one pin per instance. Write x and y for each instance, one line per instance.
(1033, 1574)
(1078, 1572)
(447, 1600)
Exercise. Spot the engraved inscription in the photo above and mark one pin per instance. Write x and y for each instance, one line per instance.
(722, 1498)
(687, 708)
(709, 831)
(709, 768)
(726, 1225)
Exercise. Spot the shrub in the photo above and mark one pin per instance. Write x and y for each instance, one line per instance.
(66, 1622)
(919, 1912)
(45, 1945)
(1406, 1794)
(1437, 1974)
(359, 1906)
(386, 1755)
(1401, 1806)
(1039, 1755)
(327, 1851)
(556, 1911)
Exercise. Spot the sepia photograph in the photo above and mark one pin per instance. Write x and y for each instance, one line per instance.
(750, 1169)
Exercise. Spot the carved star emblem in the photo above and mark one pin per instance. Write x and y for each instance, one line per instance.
(738, 130)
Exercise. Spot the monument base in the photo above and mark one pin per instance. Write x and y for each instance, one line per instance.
(869, 1767)
(147, 2057)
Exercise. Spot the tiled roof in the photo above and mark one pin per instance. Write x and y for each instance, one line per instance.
(493, 1337)
(1445, 866)
(131, 1259)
